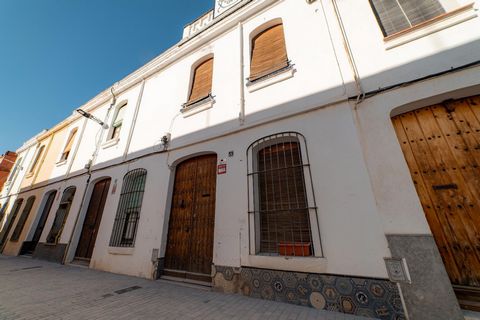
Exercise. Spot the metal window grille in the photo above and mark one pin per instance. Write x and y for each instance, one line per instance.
(61, 215)
(396, 15)
(23, 218)
(9, 221)
(280, 207)
(129, 207)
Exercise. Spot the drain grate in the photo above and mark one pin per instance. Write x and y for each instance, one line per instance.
(27, 268)
(122, 291)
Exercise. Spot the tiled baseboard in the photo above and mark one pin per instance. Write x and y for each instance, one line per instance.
(374, 298)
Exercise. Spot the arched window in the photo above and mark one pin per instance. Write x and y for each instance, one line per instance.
(282, 207)
(23, 218)
(129, 207)
(69, 145)
(269, 53)
(9, 221)
(61, 215)
(201, 87)
(37, 158)
(117, 122)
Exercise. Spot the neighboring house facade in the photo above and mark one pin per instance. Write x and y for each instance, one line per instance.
(7, 161)
(323, 153)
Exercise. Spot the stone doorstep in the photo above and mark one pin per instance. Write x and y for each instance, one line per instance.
(471, 315)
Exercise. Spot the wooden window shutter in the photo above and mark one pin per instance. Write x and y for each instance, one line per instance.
(202, 82)
(269, 52)
(68, 146)
(398, 15)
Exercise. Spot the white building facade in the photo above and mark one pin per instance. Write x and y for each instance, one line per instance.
(269, 153)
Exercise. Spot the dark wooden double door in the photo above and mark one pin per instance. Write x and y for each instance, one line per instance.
(441, 144)
(189, 252)
(92, 220)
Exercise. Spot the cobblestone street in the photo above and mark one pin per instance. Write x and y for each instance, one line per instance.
(33, 289)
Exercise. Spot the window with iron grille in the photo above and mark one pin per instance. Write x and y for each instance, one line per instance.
(61, 215)
(282, 211)
(23, 218)
(397, 15)
(129, 207)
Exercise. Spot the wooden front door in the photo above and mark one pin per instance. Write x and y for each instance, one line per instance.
(189, 251)
(92, 220)
(441, 144)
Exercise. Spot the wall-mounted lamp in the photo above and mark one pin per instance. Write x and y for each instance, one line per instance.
(92, 117)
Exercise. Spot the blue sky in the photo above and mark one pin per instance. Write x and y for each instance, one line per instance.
(55, 55)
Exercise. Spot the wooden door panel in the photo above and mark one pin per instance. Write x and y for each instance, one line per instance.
(191, 225)
(203, 219)
(441, 145)
(92, 220)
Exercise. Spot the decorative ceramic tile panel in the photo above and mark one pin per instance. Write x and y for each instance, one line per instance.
(374, 298)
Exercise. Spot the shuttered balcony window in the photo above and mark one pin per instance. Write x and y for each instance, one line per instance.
(281, 210)
(398, 15)
(129, 207)
(117, 123)
(201, 87)
(69, 145)
(269, 53)
(23, 218)
(36, 160)
(61, 215)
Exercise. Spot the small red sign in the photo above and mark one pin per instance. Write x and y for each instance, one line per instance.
(222, 168)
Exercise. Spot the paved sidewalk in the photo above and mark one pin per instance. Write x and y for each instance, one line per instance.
(34, 289)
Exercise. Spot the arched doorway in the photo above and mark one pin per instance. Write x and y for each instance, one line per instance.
(29, 246)
(92, 220)
(189, 252)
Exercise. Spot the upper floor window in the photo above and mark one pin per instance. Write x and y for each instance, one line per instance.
(37, 158)
(398, 15)
(117, 123)
(15, 169)
(69, 145)
(129, 206)
(201, 87)
(61, 215)
(281, 204)
(23, 218)
(269, 53)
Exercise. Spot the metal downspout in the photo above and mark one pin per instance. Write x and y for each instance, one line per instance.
(134, 122)
(90, 163)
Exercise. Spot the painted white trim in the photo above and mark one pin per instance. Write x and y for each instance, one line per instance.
(121, 251)
(187, 111)
(448, 21)
(110, 143)
(61, 163)
(262, 83)
(298, 264)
